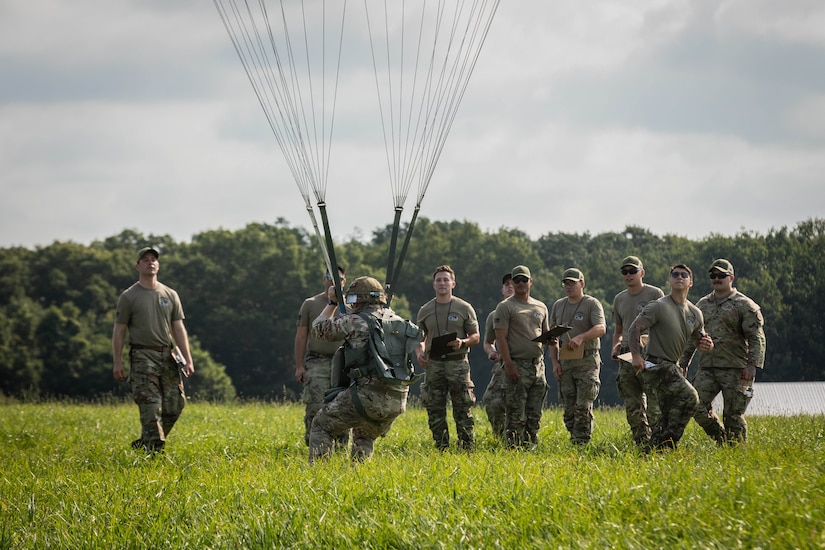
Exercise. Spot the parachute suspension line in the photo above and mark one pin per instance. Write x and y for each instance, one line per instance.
(283, 80)
(389, 137)
(418, 106)
(452, 89)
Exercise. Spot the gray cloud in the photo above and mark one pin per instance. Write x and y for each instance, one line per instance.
(581, 116)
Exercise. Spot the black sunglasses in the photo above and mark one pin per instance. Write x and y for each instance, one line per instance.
(630, 271)
(718, 275)
(520, 279)
(682, 274)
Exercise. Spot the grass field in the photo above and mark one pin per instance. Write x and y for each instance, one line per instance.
(237, 476)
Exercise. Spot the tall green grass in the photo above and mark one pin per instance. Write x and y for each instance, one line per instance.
(237, 476)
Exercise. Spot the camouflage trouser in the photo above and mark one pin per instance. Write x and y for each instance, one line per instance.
(640, 406)
(524, 402)
(677, 400)
(316, 383)
(443, 379)
(157, 389)
(495, 400)
(578, 388)
(708, 383)
(381, 402)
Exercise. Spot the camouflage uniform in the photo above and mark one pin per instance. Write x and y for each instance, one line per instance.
(678, 399)
(382, 403)
(379, 402)
(579, 384)
(157, 389)
(443, 379)
(579, 388)
(494, 397)
(449, 376)
(735, 323)
(154, 377)
(524, 398)
(317, 365)
(641, 409)
(671, 325)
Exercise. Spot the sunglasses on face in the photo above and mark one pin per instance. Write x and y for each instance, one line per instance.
(569, 282)
(682, 274)
(718, 275)
(630, 271)
(520, 279)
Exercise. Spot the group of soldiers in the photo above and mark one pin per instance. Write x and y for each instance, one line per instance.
(654, 341)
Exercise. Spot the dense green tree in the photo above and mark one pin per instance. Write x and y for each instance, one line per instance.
(21, 367)
(241, 293)
(242, 289)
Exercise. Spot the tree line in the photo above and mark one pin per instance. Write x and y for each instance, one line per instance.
(241, 291)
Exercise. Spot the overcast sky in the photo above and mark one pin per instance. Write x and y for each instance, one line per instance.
(681, 116)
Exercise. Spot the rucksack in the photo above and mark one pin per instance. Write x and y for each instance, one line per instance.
(392, 342)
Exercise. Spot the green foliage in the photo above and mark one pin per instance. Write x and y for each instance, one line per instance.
(236, 476)
(242, 290)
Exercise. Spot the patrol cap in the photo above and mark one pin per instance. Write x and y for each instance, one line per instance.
(506, 277)
(633, 261)
(722, 265)
(572, 274)
(521, 270)
(145, 250)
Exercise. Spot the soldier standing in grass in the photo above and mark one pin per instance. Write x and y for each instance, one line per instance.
(737, 326)
(448, 375)
(373, 400)
(494, 396)
(313, 357)
(671, 321)
(640, 407)
(518, 320)
(152, 315)
(575, 355)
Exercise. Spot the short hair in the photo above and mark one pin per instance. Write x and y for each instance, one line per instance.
(682, 266)
(341, 270)
(444, 269)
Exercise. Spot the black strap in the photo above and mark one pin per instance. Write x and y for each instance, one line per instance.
(152, 348)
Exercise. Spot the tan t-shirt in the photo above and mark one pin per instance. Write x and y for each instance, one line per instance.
(148, 313)
(438, 319)
(627, 306)
(582, 316)
(670, 326)
(310, 310)
(523, 322)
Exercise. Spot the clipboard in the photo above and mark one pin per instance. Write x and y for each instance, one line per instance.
(566, 353)
(439, 349)
(628, 357)
(554, 332)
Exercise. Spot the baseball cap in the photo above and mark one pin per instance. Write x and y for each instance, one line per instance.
(145, 250)
(722, 265)
(572, 274)
(506, 277)
(632, 261)
(521, 270)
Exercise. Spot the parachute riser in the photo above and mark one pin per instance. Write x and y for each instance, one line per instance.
(336, 277)
(402, 255)
(391, 254)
